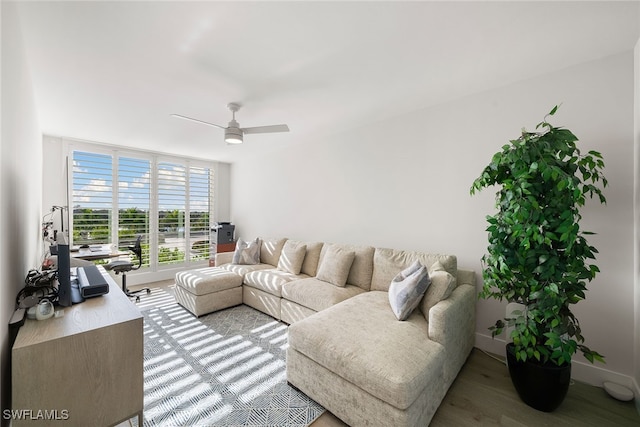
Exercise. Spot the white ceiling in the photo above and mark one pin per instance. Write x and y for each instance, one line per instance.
(114, 71)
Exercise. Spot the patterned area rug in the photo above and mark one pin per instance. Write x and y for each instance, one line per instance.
(224, 369)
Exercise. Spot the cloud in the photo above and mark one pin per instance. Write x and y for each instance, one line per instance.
(97, 193)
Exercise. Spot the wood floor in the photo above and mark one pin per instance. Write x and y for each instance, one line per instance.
(482, 395)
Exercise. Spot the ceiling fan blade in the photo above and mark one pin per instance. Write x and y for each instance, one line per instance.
(197, 121)
(266, 129)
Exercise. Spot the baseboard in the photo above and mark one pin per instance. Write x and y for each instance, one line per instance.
(596, 374)
(492, 345)
(585, 372)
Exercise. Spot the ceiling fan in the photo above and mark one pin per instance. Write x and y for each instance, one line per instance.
(233, 134)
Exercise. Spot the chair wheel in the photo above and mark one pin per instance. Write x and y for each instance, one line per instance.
(137, 299)
(148, 291)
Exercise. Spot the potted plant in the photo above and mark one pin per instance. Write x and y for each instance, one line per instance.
(538, 255)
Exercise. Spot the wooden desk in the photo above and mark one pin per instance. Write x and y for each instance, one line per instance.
(84, 368)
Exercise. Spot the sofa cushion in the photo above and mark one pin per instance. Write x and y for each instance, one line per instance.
(387, 263)
(393, 361)
(247, 253)
(442, 284)
(407, 289)
(292, 257)
(335, 265)
(311, 259)
(270, 250)
(202, 281)
(242, 270)
(362, 267)
(317, 294)
(270, 280)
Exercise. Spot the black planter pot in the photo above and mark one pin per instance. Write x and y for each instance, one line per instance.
(543, 387)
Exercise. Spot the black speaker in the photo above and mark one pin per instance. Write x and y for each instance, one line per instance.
(64, 276)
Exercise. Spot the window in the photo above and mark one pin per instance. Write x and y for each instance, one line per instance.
(92, 198)
(172, 193)
(199, 212)
(167, 202)
(134, 203)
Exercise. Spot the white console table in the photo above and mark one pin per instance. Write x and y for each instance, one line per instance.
(84, 368)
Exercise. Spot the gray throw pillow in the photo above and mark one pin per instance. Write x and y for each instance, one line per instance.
(247, 253)
(407, 289)
(335, 266)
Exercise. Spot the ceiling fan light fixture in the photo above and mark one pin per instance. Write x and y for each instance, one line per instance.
(233, 136)
(233, 133)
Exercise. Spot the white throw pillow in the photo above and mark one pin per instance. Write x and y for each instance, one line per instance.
(335, 266)
(407, 288)
(247, 253)
(292, 257)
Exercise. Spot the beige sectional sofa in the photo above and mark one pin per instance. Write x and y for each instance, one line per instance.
(347, 350)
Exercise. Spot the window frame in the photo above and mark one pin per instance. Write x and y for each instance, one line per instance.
(154, 158)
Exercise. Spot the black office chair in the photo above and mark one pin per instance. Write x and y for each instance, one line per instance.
(123, 266)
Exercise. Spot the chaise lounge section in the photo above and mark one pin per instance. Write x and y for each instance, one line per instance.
(347, 349)
(370, 369)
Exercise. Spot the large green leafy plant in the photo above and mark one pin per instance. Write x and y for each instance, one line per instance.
(538, 255)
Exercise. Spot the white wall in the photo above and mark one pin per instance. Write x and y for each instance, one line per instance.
(404, 183)
(21, 180)
(222, 193)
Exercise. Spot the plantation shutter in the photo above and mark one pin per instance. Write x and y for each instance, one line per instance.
(92, 198)
(134, 203)
(118, 196)
(172, 190)
(199, 212)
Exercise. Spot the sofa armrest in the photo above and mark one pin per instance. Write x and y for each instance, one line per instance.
(466, 277)
(224, 258)
(452, 323)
